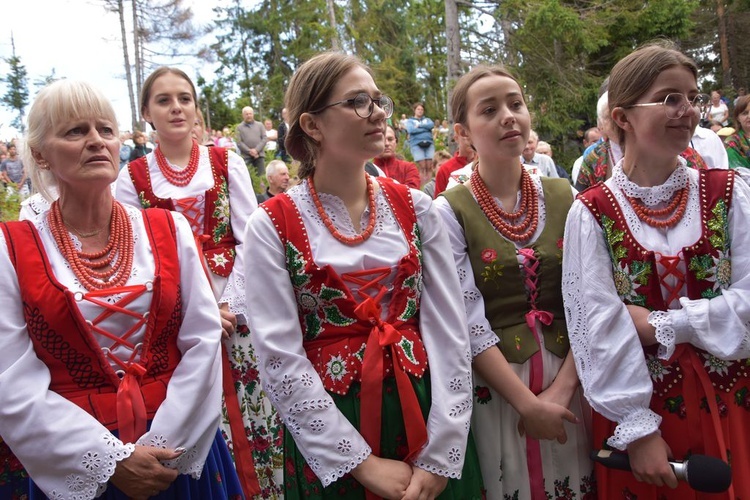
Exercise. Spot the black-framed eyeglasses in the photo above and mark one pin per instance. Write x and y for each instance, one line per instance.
(676, 104)
(364, 105)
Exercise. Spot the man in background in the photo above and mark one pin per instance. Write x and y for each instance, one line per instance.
(251, 141)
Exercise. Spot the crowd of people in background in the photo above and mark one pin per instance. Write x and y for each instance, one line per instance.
(348, 304)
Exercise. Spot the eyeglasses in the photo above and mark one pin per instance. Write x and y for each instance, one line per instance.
(364, 105)
(676, 105)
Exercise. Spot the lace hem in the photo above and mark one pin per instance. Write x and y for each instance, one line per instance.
(187, 463)
(234, 296)
(440, 471)
(99, 468)
(655, 194)
(665, 334)
(341, 470)
(483, 345)
(635, 426)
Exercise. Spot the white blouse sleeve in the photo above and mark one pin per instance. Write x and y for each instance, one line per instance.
(720, 325)
(189, 416)
(481, 335)
(125, 189)
(331, 445)
(608, 353)
(442, 323)
(67, 452)
(242, 203)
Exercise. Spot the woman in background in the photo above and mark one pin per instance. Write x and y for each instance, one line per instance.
(211, 187)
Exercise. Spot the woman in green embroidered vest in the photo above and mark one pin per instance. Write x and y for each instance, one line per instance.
(738, 144)
(529, 420)
(647, 263)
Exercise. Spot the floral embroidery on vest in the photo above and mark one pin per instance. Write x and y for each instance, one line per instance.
(317, 305)
(627, 276)
(412, 284)
(493, 271)
(715, 269)
(221, 212)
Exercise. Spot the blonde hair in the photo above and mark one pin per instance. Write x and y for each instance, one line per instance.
(310, 89)
(61, 101)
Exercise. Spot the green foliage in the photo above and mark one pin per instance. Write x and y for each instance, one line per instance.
(16, 96)
(10, 205)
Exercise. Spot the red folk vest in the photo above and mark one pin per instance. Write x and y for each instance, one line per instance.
(707, 262)
(217, 241)
(346, 339)
(63, 339)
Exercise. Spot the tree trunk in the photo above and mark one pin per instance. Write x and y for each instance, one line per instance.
(138, 54)
(726, 80)
(453, 49)
(335, 43)
(126, 62)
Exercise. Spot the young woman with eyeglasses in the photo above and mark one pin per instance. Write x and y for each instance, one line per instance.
(656, 298)
(363, 346)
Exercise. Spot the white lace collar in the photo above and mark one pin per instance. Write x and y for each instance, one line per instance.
(655, 194)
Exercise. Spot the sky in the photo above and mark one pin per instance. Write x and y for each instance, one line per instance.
(77, 39)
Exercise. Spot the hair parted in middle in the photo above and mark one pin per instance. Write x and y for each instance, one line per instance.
(310, 89)
(149, 83)
(459, 98)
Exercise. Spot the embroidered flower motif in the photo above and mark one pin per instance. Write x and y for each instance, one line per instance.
(656, 368)
(676, 405)
(344, 446)
(306, 379)
(742, 398)
(493, 272)
(716, 365)
(455, 384)
(336, 368)
(454, 455)
(489, 255)
(317, 426)
(220, 260)
(628, 277)
(221, 212)
(274, 362)
(144, 202)
(482, 394)
(720, 405)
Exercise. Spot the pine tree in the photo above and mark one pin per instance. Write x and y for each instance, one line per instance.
(16, 97)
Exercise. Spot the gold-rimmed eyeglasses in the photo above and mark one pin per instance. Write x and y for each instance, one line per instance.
(676, 104)
(364, 105)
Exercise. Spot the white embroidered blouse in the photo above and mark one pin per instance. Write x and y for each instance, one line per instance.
(66, 451)
(242, 202)
(329, 443)
(607, 351)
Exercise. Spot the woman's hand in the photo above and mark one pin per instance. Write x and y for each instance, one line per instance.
(646, 332)
(424, 485)
(545, 420)
(649, 461)
(228, 321)
(142, 475)
(384, 477)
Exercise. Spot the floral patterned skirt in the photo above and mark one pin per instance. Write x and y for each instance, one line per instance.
(262, 426)
(14, 480)
(300, 481)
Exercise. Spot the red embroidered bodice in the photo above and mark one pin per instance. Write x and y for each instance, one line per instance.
(345, 336)
(215, 237)
(63, 339)
(642, 276)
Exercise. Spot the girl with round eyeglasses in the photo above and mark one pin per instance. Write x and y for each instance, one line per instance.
(363, 346)
(657, 297)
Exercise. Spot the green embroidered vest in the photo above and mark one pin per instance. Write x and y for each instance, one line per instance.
(501, 281)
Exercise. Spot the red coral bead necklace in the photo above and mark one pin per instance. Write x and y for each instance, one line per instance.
(347, 240)
(174, 176)
(518, 226)
(107, 268)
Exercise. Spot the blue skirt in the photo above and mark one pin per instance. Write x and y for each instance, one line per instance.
(218, 481)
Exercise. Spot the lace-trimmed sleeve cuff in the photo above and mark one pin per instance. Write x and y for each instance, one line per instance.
(441, 470)
(668, 324)
(635, 426)
(333, 475)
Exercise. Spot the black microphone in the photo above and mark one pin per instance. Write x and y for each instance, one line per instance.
(702, 473)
